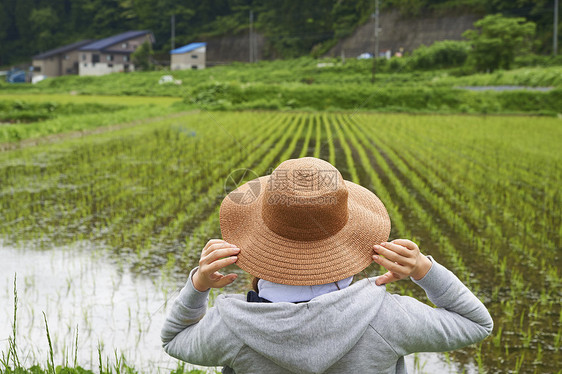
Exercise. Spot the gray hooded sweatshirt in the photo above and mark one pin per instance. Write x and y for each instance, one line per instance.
(361, 328)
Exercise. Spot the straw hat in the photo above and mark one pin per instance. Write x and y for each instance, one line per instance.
(303, 224)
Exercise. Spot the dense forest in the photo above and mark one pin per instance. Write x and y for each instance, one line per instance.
(292, 27)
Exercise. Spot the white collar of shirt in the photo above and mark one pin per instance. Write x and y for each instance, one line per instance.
(276, 292)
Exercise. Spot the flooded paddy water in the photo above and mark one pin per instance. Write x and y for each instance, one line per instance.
(92, 306)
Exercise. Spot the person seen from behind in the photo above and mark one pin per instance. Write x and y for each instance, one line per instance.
(304, 232)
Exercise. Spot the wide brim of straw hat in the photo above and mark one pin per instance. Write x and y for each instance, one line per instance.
(270, 256)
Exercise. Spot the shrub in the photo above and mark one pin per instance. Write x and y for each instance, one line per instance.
(497, 40)
(142, 56)
(442, 54)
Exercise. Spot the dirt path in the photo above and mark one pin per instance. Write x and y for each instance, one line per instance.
(55, 138)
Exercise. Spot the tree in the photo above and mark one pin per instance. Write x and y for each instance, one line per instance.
(44, 24)
(497, 40)
(142, 56)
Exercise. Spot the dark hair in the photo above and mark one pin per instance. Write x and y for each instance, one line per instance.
(255, 281)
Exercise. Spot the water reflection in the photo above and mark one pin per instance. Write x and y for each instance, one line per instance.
(79, 289)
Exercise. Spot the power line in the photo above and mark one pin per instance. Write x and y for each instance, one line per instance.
(173, 21)
(376, 52)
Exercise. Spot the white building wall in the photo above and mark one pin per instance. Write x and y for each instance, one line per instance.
(188, 61)
(102, 68)
(183, 66)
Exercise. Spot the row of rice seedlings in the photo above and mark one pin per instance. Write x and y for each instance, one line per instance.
(311, 126)
(294, 141)
(318, 135)
(329, 136)
(335, 121)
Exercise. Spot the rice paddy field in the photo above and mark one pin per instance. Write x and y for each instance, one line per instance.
(102, 230)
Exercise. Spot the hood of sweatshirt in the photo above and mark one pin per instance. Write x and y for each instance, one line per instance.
(306, 337)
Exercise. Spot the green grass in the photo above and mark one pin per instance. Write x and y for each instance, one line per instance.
(27, 116)
(65, 98)
(303, 71)
(526, 76)
(304, 84)
(15, 111)
(414, 99)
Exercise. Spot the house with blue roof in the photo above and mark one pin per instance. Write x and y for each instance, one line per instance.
(190, 56)
(112, 54)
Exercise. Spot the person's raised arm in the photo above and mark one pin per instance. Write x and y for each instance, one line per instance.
(189, 332)
(460, 318)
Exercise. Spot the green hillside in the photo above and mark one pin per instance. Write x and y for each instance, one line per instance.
(293, 28)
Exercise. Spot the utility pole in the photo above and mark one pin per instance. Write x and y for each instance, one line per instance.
(173, 22)
(255, 42)
(251, 42)
(555, 31)
(376, 54)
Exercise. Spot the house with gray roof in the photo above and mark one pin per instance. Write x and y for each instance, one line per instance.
(113, 54)
(59, 61)
(190, 56)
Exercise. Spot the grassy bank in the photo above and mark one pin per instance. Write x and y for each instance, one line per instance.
(306, 71)
(225, 96)
(28, 116)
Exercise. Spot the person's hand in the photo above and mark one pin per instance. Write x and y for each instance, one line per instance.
(402, 258)
(216, 255)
